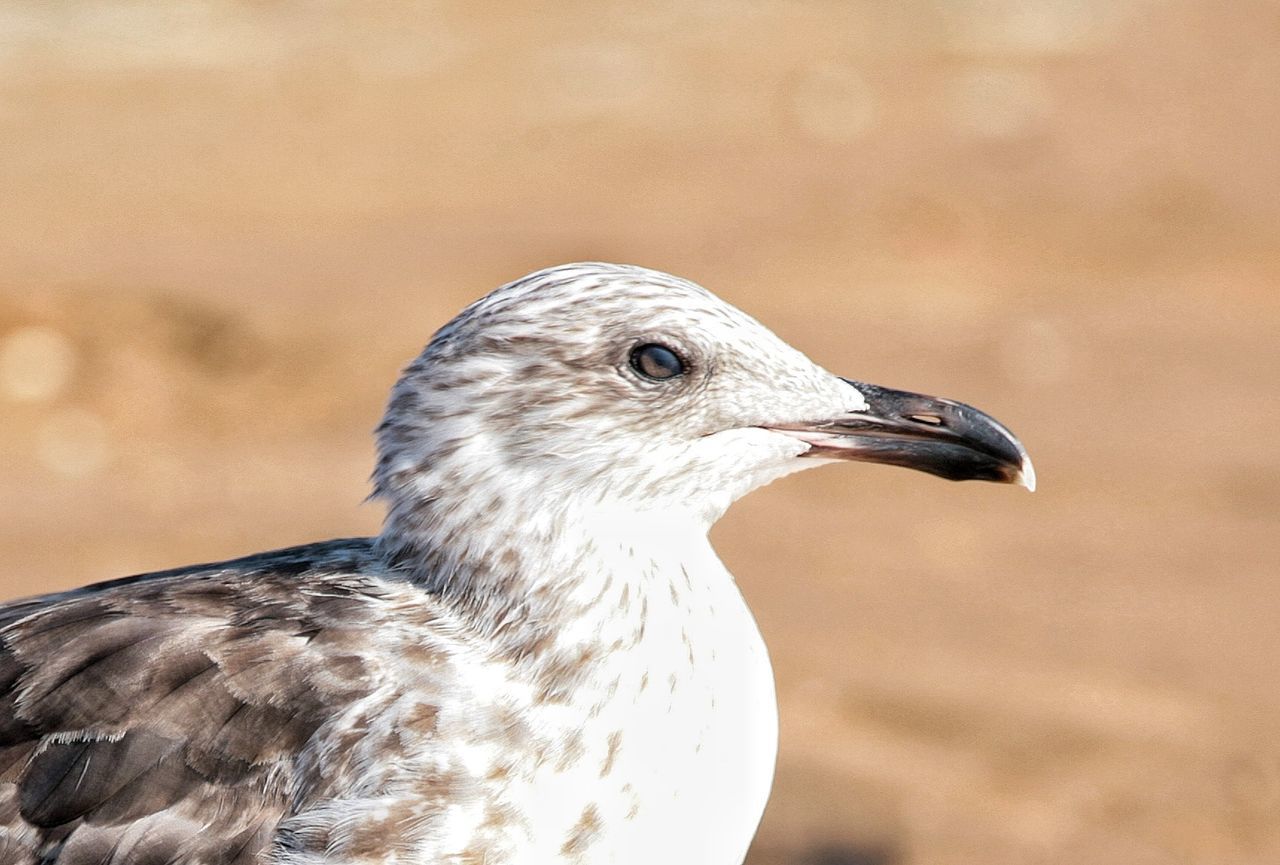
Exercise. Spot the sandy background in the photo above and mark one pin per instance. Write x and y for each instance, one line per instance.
(224, 226)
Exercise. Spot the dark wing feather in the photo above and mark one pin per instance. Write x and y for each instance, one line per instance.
(159, 719)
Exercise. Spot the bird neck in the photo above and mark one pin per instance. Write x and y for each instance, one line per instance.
(560, 584)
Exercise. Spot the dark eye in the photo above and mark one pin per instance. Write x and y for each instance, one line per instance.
(656, 361)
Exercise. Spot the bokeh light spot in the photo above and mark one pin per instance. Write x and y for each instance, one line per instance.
(36, 364)
(73, 442)
(997, 103)
(1034, 27)
(1035, 352)
(832, 103)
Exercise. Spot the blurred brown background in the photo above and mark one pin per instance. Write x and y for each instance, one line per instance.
(225, 225)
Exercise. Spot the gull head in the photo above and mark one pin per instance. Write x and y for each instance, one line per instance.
(621, 388)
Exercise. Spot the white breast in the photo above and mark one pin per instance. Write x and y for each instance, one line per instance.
(663, 752)
(679, 730)
(705, 738)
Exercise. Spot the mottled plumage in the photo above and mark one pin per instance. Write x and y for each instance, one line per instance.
(540, 659)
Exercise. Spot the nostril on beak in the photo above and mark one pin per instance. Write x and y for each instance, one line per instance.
(930, 419)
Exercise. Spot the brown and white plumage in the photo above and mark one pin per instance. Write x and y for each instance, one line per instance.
(540, 659)
(168, 717)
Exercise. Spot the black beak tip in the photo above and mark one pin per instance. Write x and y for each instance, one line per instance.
(942, 437)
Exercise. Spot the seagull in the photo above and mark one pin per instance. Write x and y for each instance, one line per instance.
(539, 659)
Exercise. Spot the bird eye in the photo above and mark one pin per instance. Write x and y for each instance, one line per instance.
(656, 361)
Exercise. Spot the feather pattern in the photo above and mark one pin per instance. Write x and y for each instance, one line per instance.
(539, 660)
(164, 718)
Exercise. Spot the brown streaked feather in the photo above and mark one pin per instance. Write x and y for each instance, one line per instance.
(162, 719)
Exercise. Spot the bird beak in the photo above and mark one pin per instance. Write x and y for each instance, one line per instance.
(939, 436)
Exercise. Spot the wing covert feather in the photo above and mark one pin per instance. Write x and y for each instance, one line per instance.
(161, 718)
